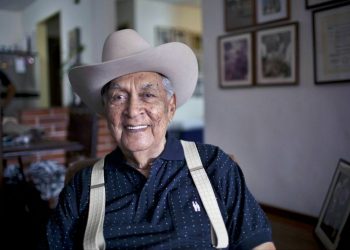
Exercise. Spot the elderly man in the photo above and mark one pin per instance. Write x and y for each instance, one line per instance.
(146, 197)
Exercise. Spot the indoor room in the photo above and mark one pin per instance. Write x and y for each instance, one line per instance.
(271, 91)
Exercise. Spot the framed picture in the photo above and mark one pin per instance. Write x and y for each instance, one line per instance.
(277, 55)
(235, 60)
(272, 11)
(318, 3)
(336, 208)
(239, 14)
(174, 34)
(331, 38)
(74, 46)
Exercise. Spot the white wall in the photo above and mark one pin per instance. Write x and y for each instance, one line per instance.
(11, 29)
(96, 20)
(287, 139)
(148, 15)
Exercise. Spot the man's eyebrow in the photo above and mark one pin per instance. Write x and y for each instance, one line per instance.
(149, 85)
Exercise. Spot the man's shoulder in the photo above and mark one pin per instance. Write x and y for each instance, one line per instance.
(209, 150)
(213, 157)
(79, 176)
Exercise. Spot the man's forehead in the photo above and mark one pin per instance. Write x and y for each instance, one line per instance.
(141, 85)
(142, 79)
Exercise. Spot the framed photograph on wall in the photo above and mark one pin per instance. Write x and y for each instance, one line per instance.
(336, 208)
(74, 46)
(277, 55)
(235, 60)
(239, 14)
(271, 11)
(331, 44)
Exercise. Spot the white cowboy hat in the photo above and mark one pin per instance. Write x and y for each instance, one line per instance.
(126, 52)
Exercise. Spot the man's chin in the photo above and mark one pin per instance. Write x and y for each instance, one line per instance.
(133, 146)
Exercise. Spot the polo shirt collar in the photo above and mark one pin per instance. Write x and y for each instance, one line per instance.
(173, 149)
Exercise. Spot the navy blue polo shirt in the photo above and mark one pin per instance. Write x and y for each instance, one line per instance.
(163, 211)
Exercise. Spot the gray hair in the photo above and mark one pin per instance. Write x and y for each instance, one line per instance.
(165, 81)
(168, 86)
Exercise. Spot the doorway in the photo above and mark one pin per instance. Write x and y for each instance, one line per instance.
(49, 49)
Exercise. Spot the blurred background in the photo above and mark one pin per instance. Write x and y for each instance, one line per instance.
(287, 138)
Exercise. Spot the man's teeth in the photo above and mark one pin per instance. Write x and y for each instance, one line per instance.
(136, 127)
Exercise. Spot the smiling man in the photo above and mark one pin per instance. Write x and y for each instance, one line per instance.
(149, 199)
(139, 109)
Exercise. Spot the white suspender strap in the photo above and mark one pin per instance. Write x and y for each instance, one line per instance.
(93, 237)
(206, 193)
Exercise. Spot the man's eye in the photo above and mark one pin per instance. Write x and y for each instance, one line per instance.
(117, 98)
(148, 95)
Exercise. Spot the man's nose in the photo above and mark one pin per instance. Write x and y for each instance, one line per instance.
(134, 107)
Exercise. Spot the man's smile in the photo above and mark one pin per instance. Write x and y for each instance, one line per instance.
(136, 127)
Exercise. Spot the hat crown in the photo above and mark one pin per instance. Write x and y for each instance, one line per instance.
(123, 43)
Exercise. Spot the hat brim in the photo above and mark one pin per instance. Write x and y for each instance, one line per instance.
(174, 60)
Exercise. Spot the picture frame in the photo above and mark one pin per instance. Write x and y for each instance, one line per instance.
(166, 34)
(74, 46)
(272, 11)
(336, 208)
(239, 14)
(331, 44)
(236, 67)
(310, 4)
(277, 55)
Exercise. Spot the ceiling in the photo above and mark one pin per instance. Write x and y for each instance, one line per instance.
(18, 5)
(14, 5)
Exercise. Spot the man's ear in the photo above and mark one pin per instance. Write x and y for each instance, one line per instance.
(172, 107)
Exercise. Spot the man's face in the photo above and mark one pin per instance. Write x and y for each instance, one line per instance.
(138, 112)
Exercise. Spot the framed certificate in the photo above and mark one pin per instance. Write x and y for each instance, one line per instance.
(331, 36)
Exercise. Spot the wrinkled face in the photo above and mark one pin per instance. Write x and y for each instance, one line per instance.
(138, 111)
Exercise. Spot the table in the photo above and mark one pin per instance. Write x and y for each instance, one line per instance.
(39, 146)
(21, 202)
(32, 148)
